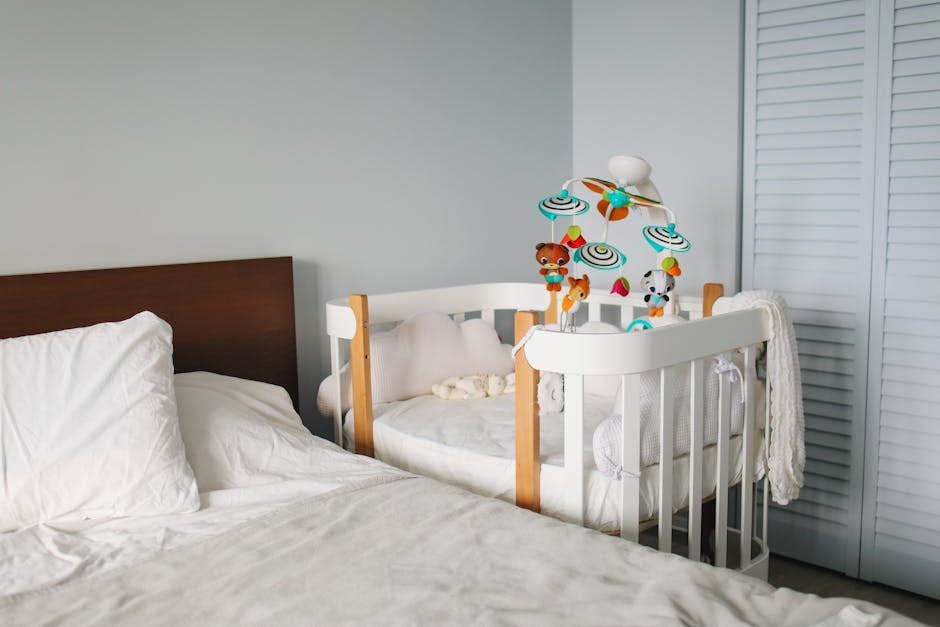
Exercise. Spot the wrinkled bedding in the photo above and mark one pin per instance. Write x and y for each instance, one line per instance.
(387, 548)
(48, 554)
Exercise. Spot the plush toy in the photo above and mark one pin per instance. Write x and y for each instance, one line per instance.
(671, 266)
(573, 238)
(474, 386)
(656, 287)
(621, 287)
(552, 257)
(578, 292)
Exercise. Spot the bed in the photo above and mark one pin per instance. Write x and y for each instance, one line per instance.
(291, 529)
(543, 461)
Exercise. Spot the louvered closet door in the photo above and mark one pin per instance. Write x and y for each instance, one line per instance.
(805, 214)
(901, 536)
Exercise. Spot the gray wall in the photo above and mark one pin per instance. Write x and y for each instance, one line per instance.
(663, 80)
(384, 145)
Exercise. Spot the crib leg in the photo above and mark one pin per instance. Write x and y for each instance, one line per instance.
(708, 527)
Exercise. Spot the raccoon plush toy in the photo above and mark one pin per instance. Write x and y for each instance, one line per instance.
(657, 285)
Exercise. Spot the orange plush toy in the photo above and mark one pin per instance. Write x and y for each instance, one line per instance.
(552, 257)
(578, 292)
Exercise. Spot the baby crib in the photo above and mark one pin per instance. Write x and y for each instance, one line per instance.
(575, 355)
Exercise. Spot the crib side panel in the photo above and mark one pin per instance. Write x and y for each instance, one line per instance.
(718, 335)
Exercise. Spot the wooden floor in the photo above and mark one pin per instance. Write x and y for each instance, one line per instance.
(827, 583)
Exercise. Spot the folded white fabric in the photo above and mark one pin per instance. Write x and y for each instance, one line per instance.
(551, 392)
(474, 386)
(787, 450)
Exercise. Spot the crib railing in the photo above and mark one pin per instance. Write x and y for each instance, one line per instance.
(577, 355)
(349, 321)
(630, 355)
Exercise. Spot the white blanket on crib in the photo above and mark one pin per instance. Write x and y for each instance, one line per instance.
(787, 450)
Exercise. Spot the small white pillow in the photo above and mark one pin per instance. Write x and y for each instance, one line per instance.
(241, 433)
(423, 350)
(88, 425)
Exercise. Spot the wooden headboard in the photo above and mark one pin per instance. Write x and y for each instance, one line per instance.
(230, 317)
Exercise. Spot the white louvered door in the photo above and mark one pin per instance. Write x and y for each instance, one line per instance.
(805, 214)
(842, 216)
(901, 534)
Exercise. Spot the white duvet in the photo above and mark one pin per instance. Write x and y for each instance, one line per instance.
(393, 550)
(41, 555)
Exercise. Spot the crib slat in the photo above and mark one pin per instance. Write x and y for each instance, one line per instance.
(594, 312)
(721, 489)
(626, 316)
(337, 391)
(766, 445)
(630, 448)
(488, 315)
(459, 317)
(766, 499)
(666, 452)
(747, 474)
(696, 426)
(574, 448)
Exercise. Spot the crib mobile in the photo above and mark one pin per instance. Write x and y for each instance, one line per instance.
(615, 205)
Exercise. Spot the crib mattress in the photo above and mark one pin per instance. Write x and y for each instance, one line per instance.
(471, 444)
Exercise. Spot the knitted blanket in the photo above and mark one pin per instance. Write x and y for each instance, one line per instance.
(787, 450)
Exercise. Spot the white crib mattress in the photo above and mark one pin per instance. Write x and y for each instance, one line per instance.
(471, 444)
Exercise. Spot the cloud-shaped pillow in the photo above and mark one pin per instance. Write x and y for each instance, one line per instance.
(423, 350)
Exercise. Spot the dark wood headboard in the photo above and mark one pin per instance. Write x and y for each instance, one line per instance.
(230, 317)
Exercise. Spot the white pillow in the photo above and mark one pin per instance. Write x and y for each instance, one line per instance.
(241, 433)
(88, 425)
(423, 350)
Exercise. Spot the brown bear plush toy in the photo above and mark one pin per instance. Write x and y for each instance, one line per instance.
(552, 257)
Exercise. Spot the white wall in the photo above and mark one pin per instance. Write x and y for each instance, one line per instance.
(662, 80)
(384, 145)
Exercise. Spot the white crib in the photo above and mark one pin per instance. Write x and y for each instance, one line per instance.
(576, 356)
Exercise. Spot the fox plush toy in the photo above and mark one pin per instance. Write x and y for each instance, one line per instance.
(578, 292)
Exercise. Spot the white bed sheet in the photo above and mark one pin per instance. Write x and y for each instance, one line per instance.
(411, 551)
(47, 554)
(471, 444)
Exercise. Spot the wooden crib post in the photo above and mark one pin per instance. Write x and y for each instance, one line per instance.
(528, 456)
(710, 293)
(361, 376)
